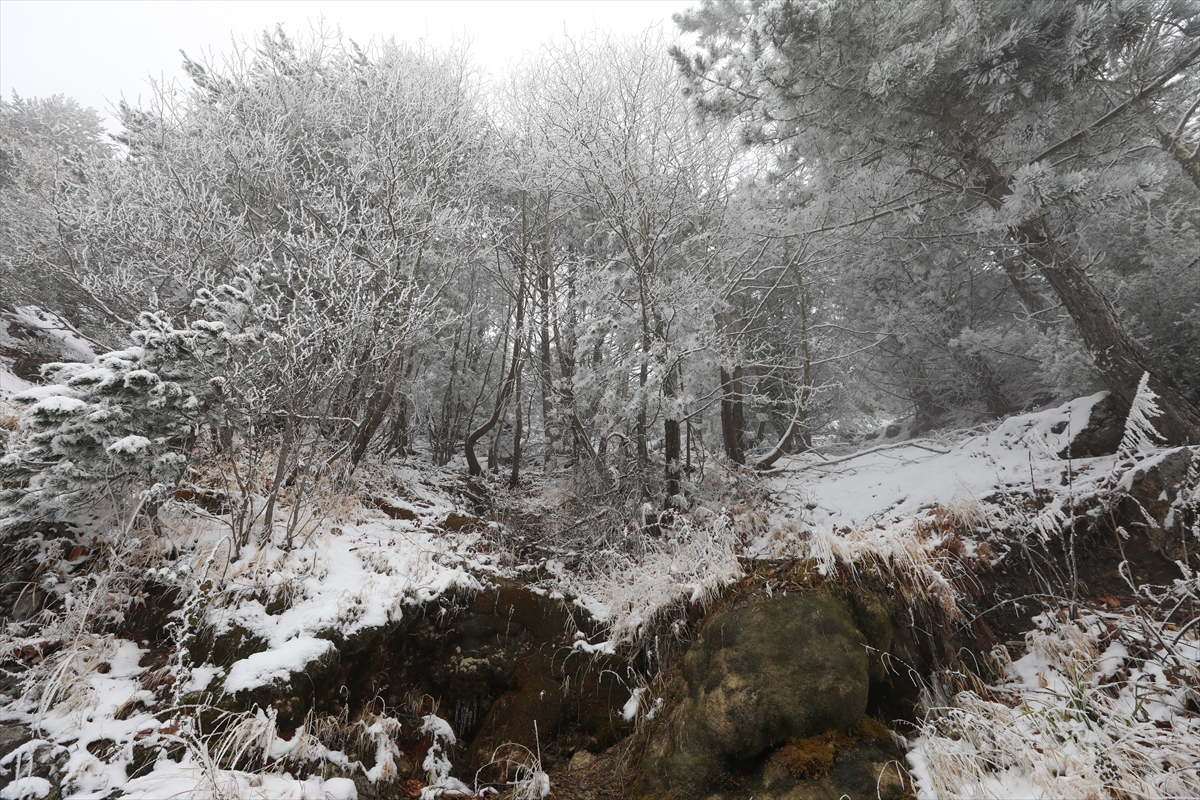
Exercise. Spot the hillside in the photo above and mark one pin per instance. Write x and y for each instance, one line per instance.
(156, 666)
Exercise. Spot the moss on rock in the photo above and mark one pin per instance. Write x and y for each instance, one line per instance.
(792, 666)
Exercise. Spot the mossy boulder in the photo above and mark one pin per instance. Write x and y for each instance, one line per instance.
(788, 667)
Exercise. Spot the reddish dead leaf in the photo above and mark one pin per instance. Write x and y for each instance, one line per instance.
(410, 789)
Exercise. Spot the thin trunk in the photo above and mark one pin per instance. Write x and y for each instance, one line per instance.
(1188, 162)
(672, 443)
(380, 402)
(473, 467)
(796, 426)
(281, 464)
(510, 380)
(688, 468)
(1036, 304)
(378, 406)
(443, 435)
(515, 477)
(547, 374)
(643, 451)
(566, 366)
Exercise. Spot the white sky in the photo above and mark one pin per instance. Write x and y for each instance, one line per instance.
(98, 52)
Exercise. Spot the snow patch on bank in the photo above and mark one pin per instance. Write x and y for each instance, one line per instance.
(892, 483)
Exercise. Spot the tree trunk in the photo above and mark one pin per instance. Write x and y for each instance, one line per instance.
(283, 458)
(1036, 304)
(1119, 359)
(515, 477)
(377, 409)
(1187, 161)
(785, 443)
(473, 467)
(672, 443)
(546, 298)
(732, 415)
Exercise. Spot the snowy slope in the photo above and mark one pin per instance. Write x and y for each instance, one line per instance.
(364, 568)
(31, 331)
(891, 483)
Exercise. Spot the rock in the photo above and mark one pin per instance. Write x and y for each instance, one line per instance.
(869, 770)
(12, 736)
(292, 694)
(861, 763)
(150, 617)
(230, 647)
(497, 662)
(38, 763)
(548, 683)
(457, 522)
(1150, 505)
(1102, 434)
(393, 510)
(581, 761)
(789, 667)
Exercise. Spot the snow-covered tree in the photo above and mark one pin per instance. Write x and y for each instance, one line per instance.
(112, 437)
(1007, 128)
(641, 191)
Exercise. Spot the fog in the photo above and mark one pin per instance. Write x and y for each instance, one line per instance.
(99, 52)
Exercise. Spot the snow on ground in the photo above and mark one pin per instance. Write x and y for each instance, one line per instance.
(852, 507)
(891, 483)
(10, 386)
(346, 577)
(368, 568)
(26, 321)
(25, 328)
(1095, 705)
(360, 578)
(1095, 708)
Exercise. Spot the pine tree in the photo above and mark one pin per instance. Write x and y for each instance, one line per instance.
(113, 437)
(1004, 123)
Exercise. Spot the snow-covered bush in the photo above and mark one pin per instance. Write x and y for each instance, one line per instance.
(437, 764)
(112, 437)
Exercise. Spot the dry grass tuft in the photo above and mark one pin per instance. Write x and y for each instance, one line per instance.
(812, 756)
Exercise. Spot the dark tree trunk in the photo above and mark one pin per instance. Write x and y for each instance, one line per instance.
(1036, 304)
(733, 421)
(1119, 359)
(673, 450)
(927, 411)
(672, 443)
(376, 410)
(515, 477)
(547, 375)
(784, 446)
(1189, 162)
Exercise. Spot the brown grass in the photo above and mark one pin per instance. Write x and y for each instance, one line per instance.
(812, 756)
